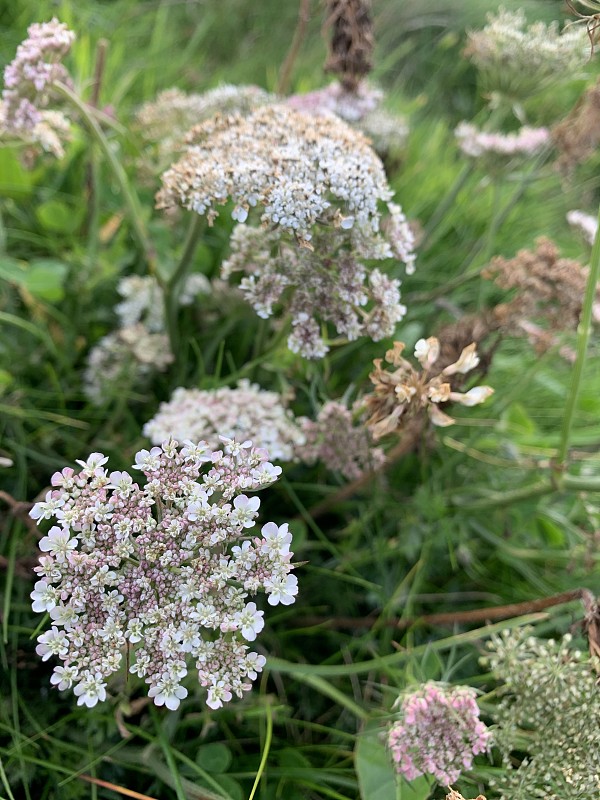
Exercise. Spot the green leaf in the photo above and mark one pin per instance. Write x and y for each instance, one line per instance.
(374, 769)
(44, 277)
(231, 786)
(214, 757)
(15, 180)
(377, 779)
(58, 217)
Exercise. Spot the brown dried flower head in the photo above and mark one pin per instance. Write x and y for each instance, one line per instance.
(577, 137)
(454, 795)
(403, 392)
(352, 43)
(549, 292)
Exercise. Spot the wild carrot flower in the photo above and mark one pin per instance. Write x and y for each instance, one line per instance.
(519, 60)
(162, 123)
(406, 391)
(328, 282)
(500, 146)
(438, 733)
(139, 346)
(319, 185)
(341, 443)
(245, 412)
(162, 570)
(29, 77)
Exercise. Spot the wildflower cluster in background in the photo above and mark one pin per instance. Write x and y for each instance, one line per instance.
(550, 708)
(549, 291)
(339, 442)
(162, 123)
(406, 391)
(439, 732)
(519, 60)
(585, 223)
(500, 146)
(29, 77)
(139, 346)
(164, 570)
(361, 108)
(246, 412)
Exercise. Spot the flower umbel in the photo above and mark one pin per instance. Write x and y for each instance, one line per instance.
(29, 77)
(164, 570)
(439, 732)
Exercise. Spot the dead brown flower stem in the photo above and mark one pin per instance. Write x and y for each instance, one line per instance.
(457, 617)
(285, 73)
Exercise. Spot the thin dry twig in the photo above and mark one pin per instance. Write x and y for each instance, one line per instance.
(285, 73)
(476, 615)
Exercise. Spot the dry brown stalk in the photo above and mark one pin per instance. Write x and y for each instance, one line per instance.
(476, 615)
(352, 42)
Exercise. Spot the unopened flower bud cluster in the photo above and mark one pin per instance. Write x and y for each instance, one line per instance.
(550, 708)
(405, 391)
(245, 412)
(498, 147)
(139, 346)
(29, 77)
(164, 570)
(519, 60)
(360, 108)
(327, 284)
(438, 733)
(341, 443)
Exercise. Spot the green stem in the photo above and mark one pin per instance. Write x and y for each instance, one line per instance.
(583, 336)
(172, 287)
(265, 753)
(546, 486)
(131, 199)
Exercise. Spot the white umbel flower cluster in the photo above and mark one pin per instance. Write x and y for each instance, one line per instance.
(329, 283)
(525, 142)
(139, 346)
(163, 122)
(165, 570)
(245, 412)
(293, 166)
(519, 60)
(318, 184)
